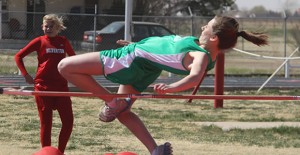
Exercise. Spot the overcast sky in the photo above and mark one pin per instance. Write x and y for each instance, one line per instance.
(274, 5)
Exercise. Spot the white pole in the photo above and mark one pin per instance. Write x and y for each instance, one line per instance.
(128, 20)
(284, 63)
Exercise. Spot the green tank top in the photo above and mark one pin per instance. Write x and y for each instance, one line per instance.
(172, 47)
(139, 64)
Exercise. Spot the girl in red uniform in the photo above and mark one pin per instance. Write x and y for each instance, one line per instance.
(50, 49)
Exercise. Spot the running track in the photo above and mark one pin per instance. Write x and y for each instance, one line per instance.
(230, 83)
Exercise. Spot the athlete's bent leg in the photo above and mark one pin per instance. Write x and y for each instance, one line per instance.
(134, 123)
(79, 70)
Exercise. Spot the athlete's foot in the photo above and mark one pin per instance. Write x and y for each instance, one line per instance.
(110, 111)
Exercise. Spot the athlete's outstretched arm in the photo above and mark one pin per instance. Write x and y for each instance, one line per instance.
(197, 71)
(123, 42)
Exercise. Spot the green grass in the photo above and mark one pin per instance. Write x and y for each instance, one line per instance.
(167, 120)
(9, 67)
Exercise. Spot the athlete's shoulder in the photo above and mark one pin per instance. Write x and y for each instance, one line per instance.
(179, 38)
(62, 37)
(36, 40)
(39, 38)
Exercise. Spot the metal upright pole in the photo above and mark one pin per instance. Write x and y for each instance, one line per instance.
(219, 80)
(286, 67)
(128, 19)
(95, 28)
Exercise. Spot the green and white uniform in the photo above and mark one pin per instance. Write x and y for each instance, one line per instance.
(139, 64)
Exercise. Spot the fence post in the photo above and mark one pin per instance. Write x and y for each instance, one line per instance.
(95, 28)
(286, 67)
(219, 79)
(128, 19)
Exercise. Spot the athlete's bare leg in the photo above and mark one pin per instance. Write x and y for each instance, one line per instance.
(133, 122)
(79, 70)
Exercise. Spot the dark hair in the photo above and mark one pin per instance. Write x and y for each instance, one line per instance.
(227, 30)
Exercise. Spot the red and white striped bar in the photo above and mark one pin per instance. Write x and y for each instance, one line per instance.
(157, 96)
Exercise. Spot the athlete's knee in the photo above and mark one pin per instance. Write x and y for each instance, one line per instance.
(68, 124)
(67, 119)
(63, 66)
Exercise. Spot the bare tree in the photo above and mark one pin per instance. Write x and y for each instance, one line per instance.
(171, 7)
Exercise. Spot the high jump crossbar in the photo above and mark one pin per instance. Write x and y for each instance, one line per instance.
(156, 96)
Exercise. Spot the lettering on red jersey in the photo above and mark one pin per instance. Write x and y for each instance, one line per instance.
(54, 50)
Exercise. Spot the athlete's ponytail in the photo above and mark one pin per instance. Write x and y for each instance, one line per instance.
(227, 30)
(254, 37)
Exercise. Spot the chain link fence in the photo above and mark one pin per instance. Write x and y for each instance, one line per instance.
(284, 38)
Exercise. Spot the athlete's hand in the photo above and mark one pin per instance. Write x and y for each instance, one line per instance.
(29, 79)
(123, 42)
(161, 88)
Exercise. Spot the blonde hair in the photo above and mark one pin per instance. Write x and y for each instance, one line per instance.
(58, 21)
